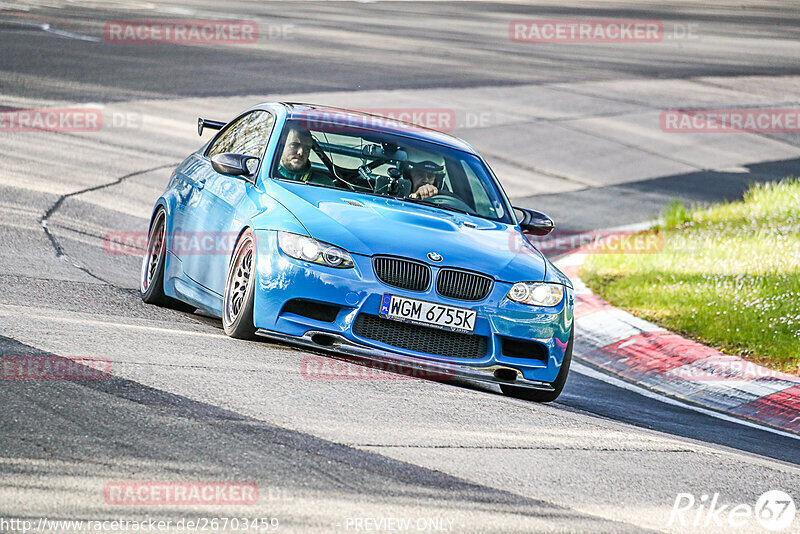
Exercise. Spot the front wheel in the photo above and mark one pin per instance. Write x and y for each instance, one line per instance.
(237, 304)
(538, 395)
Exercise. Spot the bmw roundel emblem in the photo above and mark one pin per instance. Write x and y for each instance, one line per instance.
(434, 256)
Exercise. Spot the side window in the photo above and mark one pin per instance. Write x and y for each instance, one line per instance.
(227, 142)
(481, 201)
(252, 139)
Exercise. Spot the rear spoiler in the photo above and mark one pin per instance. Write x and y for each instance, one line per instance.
(205, 123)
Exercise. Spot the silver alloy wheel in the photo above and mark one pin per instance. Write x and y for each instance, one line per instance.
(239, 278)
(155, 249)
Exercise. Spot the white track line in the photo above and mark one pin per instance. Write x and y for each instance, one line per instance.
(70, 35)
(45, 27)
(12, 311)
(617, 382)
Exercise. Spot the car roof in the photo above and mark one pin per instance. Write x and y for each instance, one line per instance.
(316, 113)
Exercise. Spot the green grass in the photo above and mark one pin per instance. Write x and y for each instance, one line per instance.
(728, 275)
(675, 214)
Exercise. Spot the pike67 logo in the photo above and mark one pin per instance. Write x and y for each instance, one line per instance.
(774, 510)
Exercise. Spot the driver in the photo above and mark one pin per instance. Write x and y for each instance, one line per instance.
(423, 176)
(294, 164)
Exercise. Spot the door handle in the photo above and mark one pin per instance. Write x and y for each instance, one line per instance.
(200, 184)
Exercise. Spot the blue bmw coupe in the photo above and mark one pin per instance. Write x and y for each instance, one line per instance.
(366, 236)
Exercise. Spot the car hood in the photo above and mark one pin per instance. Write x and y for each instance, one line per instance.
(372, 225)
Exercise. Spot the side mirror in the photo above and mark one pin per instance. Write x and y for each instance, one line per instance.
(232, 164)
(535, 222)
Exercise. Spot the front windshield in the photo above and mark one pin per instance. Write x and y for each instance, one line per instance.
(379, 163)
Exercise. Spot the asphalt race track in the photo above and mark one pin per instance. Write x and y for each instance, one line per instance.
(572, 130)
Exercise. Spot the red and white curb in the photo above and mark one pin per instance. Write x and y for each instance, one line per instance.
(643, 352)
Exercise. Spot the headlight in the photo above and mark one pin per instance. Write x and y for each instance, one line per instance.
(307, 249)
(537, 293)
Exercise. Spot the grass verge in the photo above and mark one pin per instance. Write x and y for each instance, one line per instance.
(728, 275)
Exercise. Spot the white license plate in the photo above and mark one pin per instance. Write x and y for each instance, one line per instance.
(428, 313)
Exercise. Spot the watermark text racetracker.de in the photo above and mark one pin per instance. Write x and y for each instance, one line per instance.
(75, 120)
(407, 118)
(193, 32)
(576, 31)
(755, 120)
(161, 493)
(322, 368)
(181, 243)
(589, 242)
(54, 368)
(720, 369)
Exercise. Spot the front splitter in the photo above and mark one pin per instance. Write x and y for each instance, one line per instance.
(493, 374)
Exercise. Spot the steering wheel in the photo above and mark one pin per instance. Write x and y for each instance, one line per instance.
(446, 198)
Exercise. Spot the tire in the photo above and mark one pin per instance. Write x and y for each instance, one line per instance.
(237, 303)
(151, 281)
(537, 395)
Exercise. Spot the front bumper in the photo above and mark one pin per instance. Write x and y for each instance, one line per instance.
(357, 290)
